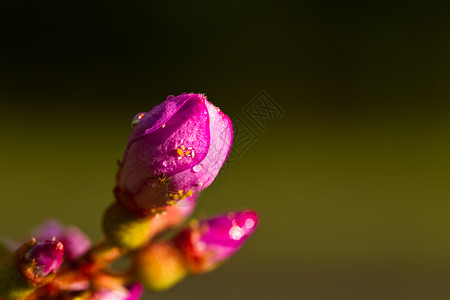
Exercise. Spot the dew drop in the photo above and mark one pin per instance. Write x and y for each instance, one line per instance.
(249, 223)
(165, 163)
(197, 168)
(236, 233)
(137, 118)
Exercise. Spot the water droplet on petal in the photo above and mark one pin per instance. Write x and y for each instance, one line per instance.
(197, 168)
(249, 223)
(165, 163)
(236, 233)
(137, 118)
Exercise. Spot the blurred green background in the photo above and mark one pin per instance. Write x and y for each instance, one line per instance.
(351, 182)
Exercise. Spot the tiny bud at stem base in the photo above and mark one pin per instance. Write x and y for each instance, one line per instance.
(159, 266)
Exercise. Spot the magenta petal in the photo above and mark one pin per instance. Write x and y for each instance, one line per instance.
(224, 235)
(135, 291)
(76, 243)
(47, 257)
(158, 116)
(203, 174)
(214, 240)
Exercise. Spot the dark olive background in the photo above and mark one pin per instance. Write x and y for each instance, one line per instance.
(351, 182)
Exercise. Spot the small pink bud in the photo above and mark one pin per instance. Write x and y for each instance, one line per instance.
(174, 151)
(46, 257)
(212, 241)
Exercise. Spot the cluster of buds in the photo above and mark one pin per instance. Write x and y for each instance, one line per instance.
(174, 152)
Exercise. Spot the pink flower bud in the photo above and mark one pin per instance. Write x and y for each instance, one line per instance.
(174, 151)
(210, 242)
(46, 257)
(76, 243)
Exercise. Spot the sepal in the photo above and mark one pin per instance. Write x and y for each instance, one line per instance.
(125, 229)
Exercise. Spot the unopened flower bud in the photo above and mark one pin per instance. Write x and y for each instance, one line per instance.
(45, 257)
(207, 243)
(33, 265)
(159, 266)
(174, 151)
